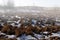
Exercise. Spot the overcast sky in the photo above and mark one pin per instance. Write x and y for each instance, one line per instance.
(43, 3)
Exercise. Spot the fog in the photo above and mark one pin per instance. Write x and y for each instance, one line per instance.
(30, 7)
(42, 3)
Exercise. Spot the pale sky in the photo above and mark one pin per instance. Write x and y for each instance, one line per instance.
(43, 3)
